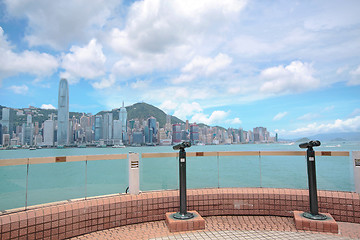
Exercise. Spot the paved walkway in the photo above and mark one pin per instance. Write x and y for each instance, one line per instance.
(226, 227)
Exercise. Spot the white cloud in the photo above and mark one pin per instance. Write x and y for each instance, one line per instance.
(104, 83)
(61, 23)
(31, 62)
(162, 35)
(234, 121)
(84, 62)
(47, 106)
(217, 117)
(203, 66)
(168, 106)
(355, 77)
(206, 66)
(23, 89)
(339, 125)
(294, 78)
(141, 84)
(356, 112)
(279, 116)
(309, 116)
(341, 70)
(185, 110)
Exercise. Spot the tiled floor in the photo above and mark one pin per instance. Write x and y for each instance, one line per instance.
(226, 227)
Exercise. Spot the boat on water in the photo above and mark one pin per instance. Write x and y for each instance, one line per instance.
(60, 147)
(101, 146)
(82, 146)
(32, 148)
(118, 146)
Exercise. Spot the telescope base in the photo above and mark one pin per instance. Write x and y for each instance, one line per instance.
(314, 217)
(185, 216)
(184, 224)
(308, 224)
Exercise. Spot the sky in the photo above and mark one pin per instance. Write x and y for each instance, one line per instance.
(290, 66)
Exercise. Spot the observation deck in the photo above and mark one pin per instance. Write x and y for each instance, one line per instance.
(239, 194)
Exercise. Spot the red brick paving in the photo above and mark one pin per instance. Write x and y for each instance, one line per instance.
(215, 224)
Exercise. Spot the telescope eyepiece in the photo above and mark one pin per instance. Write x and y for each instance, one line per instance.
(182, 145)
(310, 144)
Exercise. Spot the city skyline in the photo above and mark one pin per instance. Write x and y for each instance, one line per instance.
(233, 63)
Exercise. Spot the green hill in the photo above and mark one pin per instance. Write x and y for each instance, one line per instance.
(143, 111)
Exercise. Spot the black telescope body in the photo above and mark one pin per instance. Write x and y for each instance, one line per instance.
(310, 144)
(182, 145)
(313, 199)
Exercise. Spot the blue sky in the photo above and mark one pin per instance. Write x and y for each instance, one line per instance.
(293, 67)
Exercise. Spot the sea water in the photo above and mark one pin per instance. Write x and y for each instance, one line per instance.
(42, 183)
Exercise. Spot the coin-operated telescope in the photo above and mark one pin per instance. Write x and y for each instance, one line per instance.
(183, 214)
(310, 159)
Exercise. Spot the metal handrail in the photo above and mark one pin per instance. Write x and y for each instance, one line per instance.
(40, 160)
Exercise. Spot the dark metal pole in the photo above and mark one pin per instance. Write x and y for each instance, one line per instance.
(182, 174)
(310, 158)
(313, 199)
(183, 214)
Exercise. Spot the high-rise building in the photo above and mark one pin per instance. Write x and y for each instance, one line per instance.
(194, 133)
(176, 138)
(117, 130)
(1, 134)
(63, 113)
(108, 126)
(152, 130)
(27, 131)
(49, 129)
(98, 127)
(5, 121)
(123, 121)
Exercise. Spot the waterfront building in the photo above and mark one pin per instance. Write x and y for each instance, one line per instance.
(123, 122)
(63, 113)
(98, 127)
(6, 139)
(5, 121)
(117, 130)
(138, 138)
(108, 126)
(194, 133)
(1, 134)
(27, 132)
(49, 129)
(38, 140)
(146, 134)
(152, 130)
(176, 137)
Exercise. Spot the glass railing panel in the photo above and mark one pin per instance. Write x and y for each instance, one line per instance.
(335, 173)
(107, 177)
(159, 173)
(284, 172)
(239, 171)
(51, 182)
(12, 186)
(202, 172)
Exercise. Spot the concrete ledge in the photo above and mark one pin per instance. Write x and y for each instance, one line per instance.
(75, 218)
(303, 223)
(176, 225)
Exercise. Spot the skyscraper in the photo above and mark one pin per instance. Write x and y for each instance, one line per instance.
(152, 130)
(49, 130)
(5, 121)
(63, 113)
(123, 121)
(98, 127)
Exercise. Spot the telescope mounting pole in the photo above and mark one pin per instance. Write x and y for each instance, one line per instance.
(313, 199)
(183, 214)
